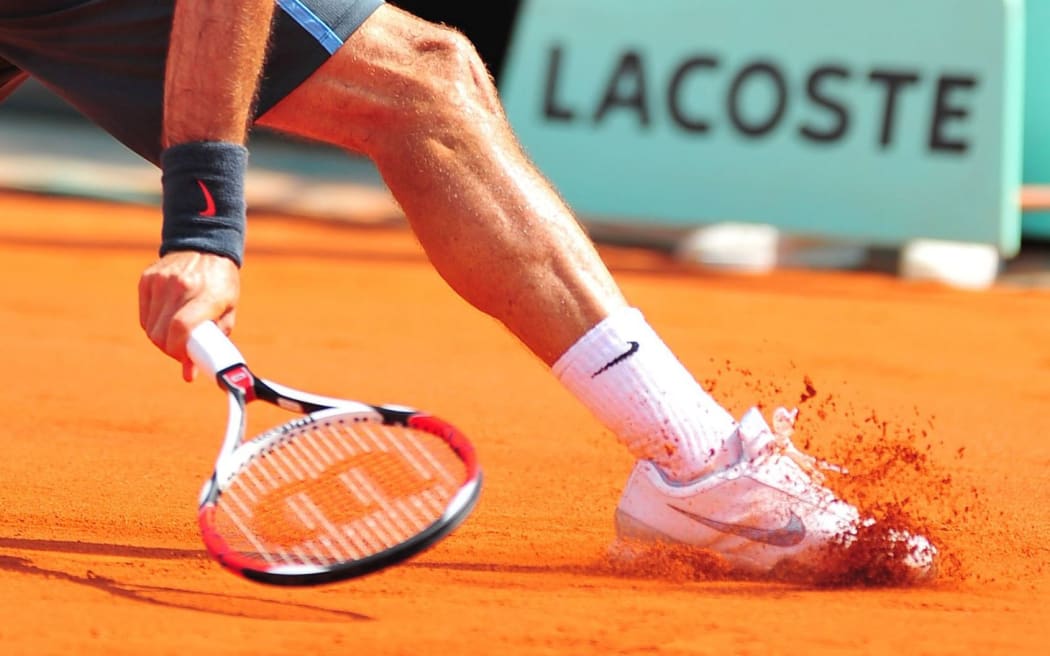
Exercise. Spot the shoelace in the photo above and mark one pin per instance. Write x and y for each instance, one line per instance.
(783, 428)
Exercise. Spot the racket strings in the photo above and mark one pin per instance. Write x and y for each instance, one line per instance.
(338, 491)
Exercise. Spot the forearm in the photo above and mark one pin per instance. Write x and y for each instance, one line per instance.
(215, 60)
(214, 64)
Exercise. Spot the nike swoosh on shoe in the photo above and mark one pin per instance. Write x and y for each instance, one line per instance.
(788, 535)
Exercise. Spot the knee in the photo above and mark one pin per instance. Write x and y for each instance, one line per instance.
(401, 79)
(454, 81)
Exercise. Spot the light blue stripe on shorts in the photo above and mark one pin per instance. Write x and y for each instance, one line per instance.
(317, 28)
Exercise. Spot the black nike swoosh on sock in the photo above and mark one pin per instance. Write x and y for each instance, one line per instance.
(618, 359)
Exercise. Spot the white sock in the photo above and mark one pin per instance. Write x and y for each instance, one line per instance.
(631, 381)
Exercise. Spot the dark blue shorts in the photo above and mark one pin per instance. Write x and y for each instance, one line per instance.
(106, 57)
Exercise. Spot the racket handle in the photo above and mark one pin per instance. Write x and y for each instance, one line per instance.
(211, 350)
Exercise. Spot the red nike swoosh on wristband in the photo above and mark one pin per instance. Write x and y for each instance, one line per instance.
(209, 202)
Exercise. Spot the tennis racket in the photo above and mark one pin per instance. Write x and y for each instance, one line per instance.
(343, 490)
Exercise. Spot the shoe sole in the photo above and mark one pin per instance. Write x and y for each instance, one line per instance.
(631, 533)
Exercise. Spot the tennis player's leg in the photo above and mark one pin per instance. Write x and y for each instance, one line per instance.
(416, 98)
(419, 102)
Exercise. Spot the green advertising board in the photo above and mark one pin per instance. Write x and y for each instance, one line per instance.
(1037, 109)
(877, 122)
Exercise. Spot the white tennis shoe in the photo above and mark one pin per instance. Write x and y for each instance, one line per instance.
(769, 510)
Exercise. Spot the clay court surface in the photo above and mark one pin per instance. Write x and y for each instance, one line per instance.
(938, 401)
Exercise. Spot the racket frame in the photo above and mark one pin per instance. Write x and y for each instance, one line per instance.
(216, 355)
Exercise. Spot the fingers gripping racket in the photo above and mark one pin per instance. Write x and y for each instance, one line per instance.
(344, 490)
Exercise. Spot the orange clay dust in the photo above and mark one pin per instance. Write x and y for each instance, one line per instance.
(934, 401)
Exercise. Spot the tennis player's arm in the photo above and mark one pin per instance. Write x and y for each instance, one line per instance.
(215, 59)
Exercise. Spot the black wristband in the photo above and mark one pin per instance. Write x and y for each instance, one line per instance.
(204, 208)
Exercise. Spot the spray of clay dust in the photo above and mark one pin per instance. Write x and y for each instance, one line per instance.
(894, 471)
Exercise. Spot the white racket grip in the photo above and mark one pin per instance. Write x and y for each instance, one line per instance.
(211, 350)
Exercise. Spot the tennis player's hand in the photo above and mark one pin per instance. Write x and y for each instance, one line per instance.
(182, 290)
